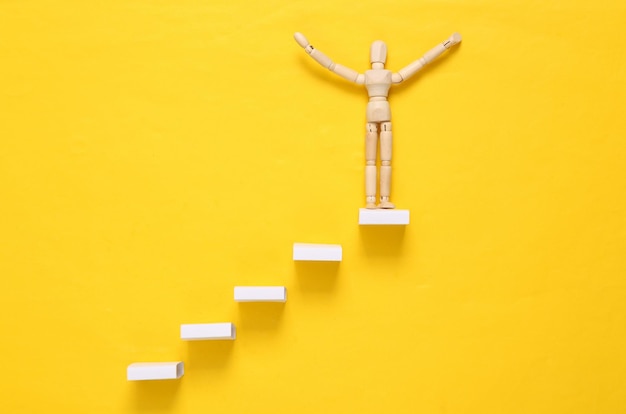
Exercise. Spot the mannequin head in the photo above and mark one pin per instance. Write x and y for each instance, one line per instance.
(378, 54)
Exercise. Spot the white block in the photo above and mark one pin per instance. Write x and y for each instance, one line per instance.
(260, 294)
(207, 331)
(382, 217)
(317, 252)
(142, 371)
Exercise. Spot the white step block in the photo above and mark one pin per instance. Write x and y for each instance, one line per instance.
(383, 217)
(207, 331)
(260, 294)
(317, 252)
(144, 371)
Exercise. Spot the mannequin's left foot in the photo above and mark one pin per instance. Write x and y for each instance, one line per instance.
(386, 205)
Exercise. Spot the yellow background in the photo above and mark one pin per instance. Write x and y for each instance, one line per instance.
(155, 154)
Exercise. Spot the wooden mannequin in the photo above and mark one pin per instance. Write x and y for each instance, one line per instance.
(378, 80)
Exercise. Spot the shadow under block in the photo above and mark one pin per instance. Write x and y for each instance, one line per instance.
(207, 331)
(383, 217)
(317, 252)
(145, 371)
(260, 294)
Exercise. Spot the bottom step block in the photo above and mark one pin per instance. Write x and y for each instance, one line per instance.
(145, 371)
(382, 217)
(207, 331)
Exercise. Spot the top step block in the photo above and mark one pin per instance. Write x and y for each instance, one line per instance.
(382, 217)
(317, 252)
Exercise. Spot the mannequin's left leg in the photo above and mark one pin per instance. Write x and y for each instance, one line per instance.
(385, 165)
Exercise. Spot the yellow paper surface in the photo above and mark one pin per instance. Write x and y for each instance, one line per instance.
(153, 155)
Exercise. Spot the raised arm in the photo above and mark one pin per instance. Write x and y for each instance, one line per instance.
(431, 55)
(322, 59)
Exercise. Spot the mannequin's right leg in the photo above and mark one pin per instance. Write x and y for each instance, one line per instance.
(371, 139)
